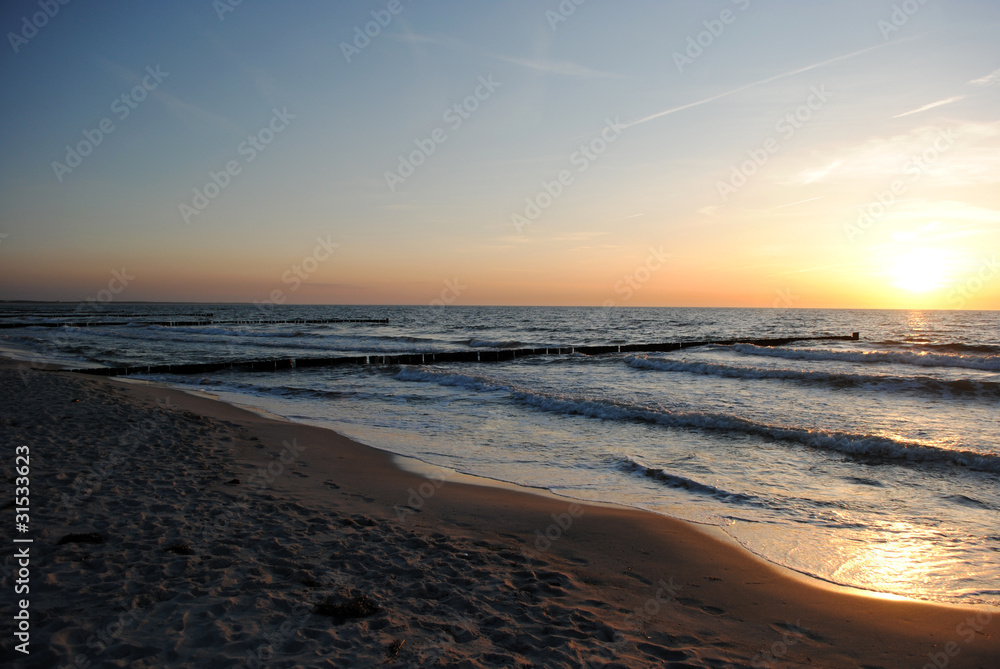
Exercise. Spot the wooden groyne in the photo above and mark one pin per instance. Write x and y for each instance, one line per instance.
(200, 323)
(487, 355)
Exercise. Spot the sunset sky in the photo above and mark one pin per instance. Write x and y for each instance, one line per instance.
(726, 153)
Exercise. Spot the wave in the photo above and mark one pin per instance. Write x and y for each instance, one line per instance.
(488, 343)
(410, 339)
(840, 380)
(289, 343)
(446, 379)
(920, 359)
(629, 465)
(951, 347)
(221, 332)
(965, 500)
(846, 443)
(230, 385)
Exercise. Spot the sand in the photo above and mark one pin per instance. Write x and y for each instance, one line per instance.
(171, 530)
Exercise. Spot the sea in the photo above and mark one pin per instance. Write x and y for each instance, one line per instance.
(872, 463)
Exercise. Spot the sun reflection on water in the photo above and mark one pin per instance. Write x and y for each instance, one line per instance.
(897, 557)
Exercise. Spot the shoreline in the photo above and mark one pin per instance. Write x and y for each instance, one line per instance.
(605, 584)
(426, 469)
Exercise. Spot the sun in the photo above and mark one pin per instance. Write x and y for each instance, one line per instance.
(920, 270)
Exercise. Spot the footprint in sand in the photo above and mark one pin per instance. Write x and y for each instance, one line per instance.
(695, 604)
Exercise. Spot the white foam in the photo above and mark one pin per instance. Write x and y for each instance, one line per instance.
(863, 445)
(879, 381)
(922, 359)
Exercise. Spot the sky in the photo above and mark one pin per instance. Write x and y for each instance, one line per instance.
(740, 153)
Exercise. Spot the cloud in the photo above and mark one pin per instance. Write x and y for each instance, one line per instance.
(792, 204)
(559, 67)
(939, 103)
(579, 236)
(961, 218)
(445, 41)
(957, 154)
(625, 218)
(991, 79)
(818, 174)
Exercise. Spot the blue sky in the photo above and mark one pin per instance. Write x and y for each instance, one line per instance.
(885, 81)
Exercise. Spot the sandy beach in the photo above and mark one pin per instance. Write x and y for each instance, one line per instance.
(172, 530)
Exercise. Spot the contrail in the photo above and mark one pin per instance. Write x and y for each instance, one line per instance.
(792, 204)
(757, 83)
(939, 103)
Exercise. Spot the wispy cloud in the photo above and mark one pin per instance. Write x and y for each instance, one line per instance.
(810, 176)
(933, 105)
(559, 67)
(579, 236)
(967, 218)
(768, 80)
(173, 104)
(433, 40)
(967, 153)
(792, 204)
(814, 269)
(991, 79)
(625, 218)
(264, 82)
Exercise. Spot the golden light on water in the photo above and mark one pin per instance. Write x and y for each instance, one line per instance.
(899, 557)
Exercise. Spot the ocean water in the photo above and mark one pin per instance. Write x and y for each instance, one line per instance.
(871, 463)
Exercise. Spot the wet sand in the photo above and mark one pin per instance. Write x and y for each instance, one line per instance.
(171, 530)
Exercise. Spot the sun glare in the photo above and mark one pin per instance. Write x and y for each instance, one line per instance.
(919, 271)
